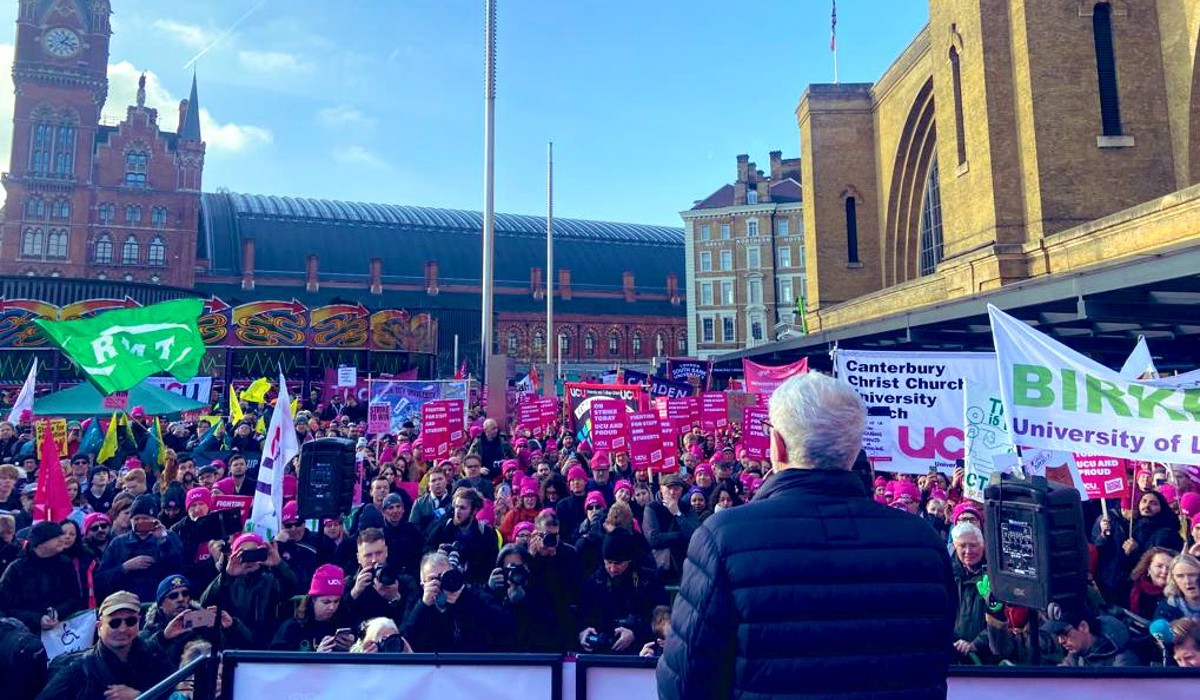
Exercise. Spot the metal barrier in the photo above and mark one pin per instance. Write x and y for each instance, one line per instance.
(167, 685)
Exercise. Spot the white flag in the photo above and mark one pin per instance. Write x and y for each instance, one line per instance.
(25, 398)
(279, 448)
(1139, 364)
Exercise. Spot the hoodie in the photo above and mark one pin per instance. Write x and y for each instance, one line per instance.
(1110, 648)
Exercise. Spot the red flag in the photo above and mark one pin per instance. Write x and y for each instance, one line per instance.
(51, 502)
(462, 371)
(833, 27)
(533, 377)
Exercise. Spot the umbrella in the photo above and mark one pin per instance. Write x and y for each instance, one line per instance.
(84, 400)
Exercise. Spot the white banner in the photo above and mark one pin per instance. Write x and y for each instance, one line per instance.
(989, 447)
(1057, 399)
(75, 633)
(196, 388)
(915, 403)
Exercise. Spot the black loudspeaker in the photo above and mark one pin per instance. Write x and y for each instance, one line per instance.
(1036, 548)
(326, 479)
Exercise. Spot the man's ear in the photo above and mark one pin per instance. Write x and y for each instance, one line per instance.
(779, 451)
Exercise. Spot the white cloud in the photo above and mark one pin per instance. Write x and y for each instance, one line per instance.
(190, 35)
(221, 138)
(359, 157)
(344, 116)
(271, 62)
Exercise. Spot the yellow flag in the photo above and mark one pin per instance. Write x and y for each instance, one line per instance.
(295, 406)
(235, 406)
(108, 449)
(261, 426)
(257, 391)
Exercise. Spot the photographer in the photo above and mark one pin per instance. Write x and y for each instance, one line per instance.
(254, 586)
(404, 540)
(137, 561)
(381, 636)
(175, 620)
(617, 602)
(379, 590)
(556, 565)
(319, 623)
(475, 541)
(526, 600)
(451, 616)
(661, 626)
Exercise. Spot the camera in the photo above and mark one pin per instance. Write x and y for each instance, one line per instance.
(550, 539)
(599, 640)
(394, 644)
(252, 556)
(516, 575)
(454, 578)
(384, 575)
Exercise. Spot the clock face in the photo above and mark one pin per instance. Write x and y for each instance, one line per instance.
(61, 42)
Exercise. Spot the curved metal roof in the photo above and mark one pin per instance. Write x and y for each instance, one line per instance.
(430, 217)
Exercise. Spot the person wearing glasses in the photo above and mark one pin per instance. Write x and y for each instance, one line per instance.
(41, 586)
(757, 574)
(176, 619)
(303, 551)
(120, 666)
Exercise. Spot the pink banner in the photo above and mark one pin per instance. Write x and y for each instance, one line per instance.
(693, 407)
(756, 436)
(441, 428)
(529, 415)
(714, 411)
(670, 443)
(660, 406)
(761, 379)
(610, 425)
(645, 440)
(679, 415)
(548, 407)
(1103, 477)
(240, 503)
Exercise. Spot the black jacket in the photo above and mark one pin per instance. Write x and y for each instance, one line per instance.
(259, 598)
(87, 677)
(473, 624)
(477, 545)
(668, 536)
(32, 583)
(628, 601)
(813, 590)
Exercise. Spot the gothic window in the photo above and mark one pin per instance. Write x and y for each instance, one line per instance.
(614, 343)
(56, 243)
(637, 344)
(64, 150)
(107, 212)
(61, 209)
(31, 243)
(931, 223)
(589, 344)
(133, 214)
(158, 216)
(564, 344)
(103, 254)
(514, 343)
(130, 251)
(43, 143)
(539, 343)
(851, 230)
(681, 344)
(35, 208)
(157, 253)
(135, 168)
(1106, 69)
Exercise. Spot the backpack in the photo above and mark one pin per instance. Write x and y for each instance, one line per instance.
(22, 660)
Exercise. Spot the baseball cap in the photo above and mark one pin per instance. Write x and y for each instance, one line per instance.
(121, 600)
(1062, 617)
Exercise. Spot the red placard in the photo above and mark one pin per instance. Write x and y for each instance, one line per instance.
(756, 436)
(714, 411)
(645, 440)
(610, 424)
(441, 428)
(241, 503)
(1103, 477)
(693, 405)
(679, 414)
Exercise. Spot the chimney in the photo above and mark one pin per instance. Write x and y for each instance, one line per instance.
(627, 287)
(247, 263)
(764, 191)
(776, 166)
(739, 193)
(376, 275)
(431, 277)
(312, 282)
(673, 288)
(743, 167)
(564, 283)
(535, 283)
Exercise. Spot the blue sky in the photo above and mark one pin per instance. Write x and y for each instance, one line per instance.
(648, 103)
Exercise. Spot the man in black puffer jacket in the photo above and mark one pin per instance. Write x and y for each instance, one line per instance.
(813, 590)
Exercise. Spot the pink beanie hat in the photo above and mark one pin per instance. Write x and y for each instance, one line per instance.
(594, 498)
(1189, 503)
(1168, 492)
(907, 488)
(226, 486)
(576, 472)
(199, 495)
(247, 537)
(965, 507)
(523, 527)
(328, 580)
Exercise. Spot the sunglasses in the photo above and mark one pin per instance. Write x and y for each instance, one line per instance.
(176, 595)
(294, 524)
(593, 507)
(117, 622)
(98, 527)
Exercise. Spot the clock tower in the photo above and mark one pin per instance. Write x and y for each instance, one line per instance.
(61, 83)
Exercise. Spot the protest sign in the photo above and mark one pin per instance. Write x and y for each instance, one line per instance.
(610, 425)
(756, 436)
(679, 415)
(58, 428)
(548, 408)
(670, 445)
(738, 400)
(529, 415)
(658, 386)
(76, 633)
(579, 402)
(914, 404)
(714, 411)
(1058, 399)
(761, 379)
(347, 377)
(1056, 466)
(405, 398)
(690, 370)
(645, 440)
(1103, 477)
(239, 503)
(441, 428)
(196, 388)
(986, 436)
(379, 418)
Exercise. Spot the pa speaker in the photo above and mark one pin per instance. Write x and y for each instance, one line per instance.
(1036, 548)
(326, 479)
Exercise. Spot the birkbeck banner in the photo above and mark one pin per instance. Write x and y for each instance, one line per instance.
(1057, 399)
(914, 404)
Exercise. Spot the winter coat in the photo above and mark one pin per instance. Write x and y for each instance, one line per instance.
(31, 584)
(1174, 607)
(792, 585)
(969, 622)
(88, 676)
(1112, 566)
(1110, 648)
(110, 577)
(473, 624)
(237, 636)
(258, 598)
(628, 601)
(669, 535)
(404, 543)
(427, 509)
(477, 545)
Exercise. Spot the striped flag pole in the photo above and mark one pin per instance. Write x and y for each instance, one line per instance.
(833, 39)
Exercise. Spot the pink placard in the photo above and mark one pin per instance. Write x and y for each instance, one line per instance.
(714, 411)
(670, 445)
(441, 428)
(645, 440)
(610, 425)
(1103, 477)
(756, 436)
(241, 503)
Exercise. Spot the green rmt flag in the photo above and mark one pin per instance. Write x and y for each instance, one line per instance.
(118, 349)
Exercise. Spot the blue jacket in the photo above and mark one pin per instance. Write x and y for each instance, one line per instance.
(168, 559)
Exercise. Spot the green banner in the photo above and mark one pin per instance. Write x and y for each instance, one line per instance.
(118, 349)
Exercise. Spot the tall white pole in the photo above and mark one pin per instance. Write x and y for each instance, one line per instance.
(489, 168)
(551, 338)
(455, 353)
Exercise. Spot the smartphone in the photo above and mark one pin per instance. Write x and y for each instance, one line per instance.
(200, 618)
(343, 631)
(144, 527)
(252, 556)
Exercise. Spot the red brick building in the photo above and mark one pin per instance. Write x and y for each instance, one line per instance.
(86, 200)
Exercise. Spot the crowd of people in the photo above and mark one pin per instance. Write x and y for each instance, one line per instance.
(519, 541)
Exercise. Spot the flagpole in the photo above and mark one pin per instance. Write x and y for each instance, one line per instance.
(551, 339)
(489, 171)
(833, 38)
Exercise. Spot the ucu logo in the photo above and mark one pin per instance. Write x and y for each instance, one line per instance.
(934, 443)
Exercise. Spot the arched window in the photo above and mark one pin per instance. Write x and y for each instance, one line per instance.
(564, 343)
(751, 195)
(681, 344)
(56, 243)
(539, 343)
(64, 150)
(614, 343)
(133, 214)
(103, 255)
(31, 243)
(61, 209)
(1106, 69)
(851, 230)
(931, 223)
(135, 168)
(589, 344)
(514, 343)
(130, 251)
(106, 212)
(960, 131)
(35, 208)
(637, 344)
(158, 216)
(156, 255)
(43, 143)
